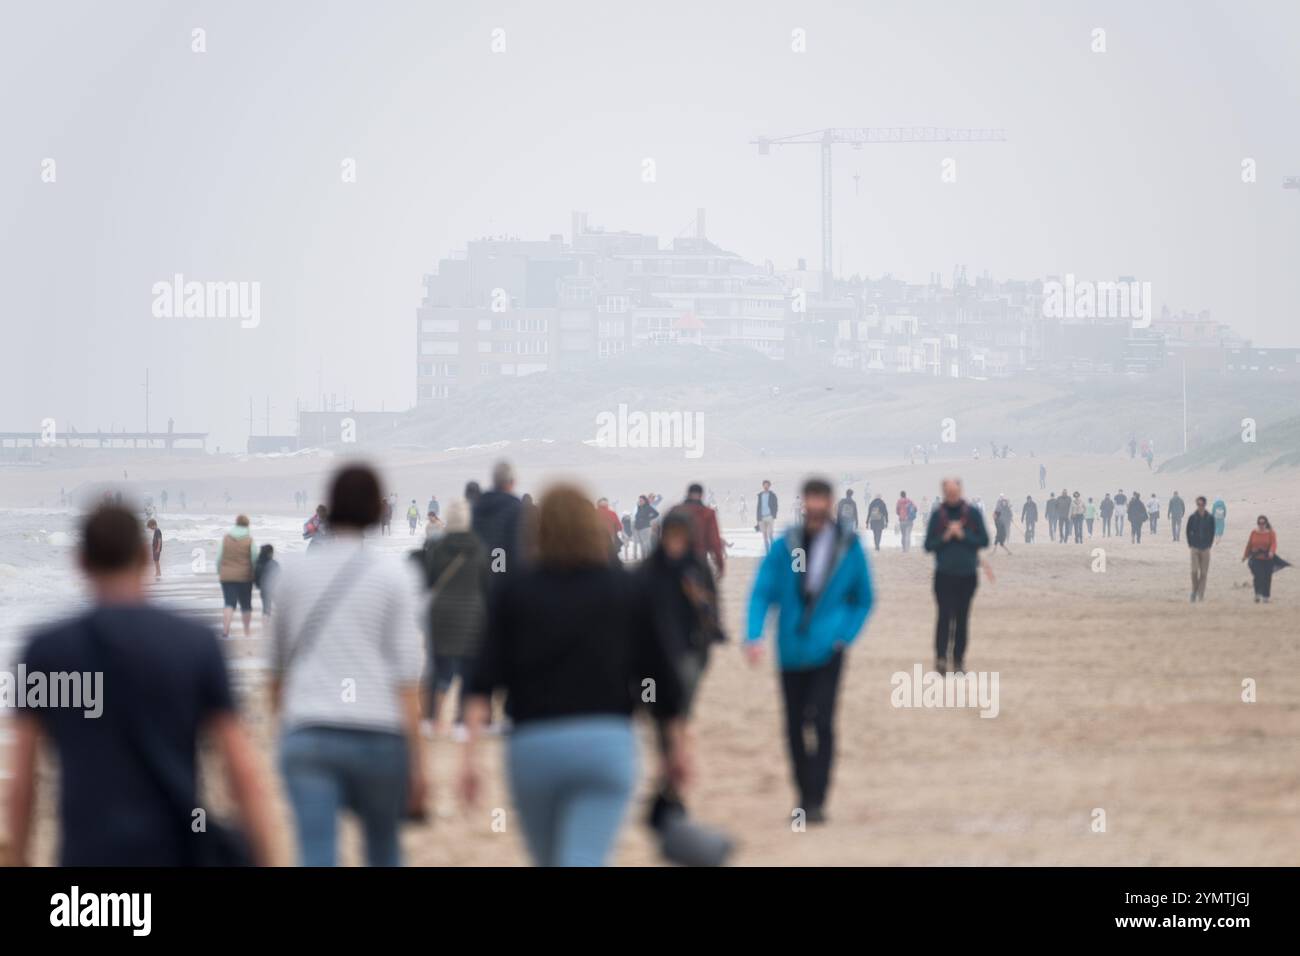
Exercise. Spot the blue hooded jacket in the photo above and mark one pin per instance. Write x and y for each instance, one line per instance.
(808, 635)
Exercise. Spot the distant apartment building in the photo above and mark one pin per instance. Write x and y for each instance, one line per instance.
(507, 307)
(969, 329)
(495, 311)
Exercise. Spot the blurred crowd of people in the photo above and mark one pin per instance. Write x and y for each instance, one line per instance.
(528, 614)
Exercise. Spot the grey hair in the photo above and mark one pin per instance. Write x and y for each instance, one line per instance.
(503, 475)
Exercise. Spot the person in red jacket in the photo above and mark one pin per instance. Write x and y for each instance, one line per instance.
(707, 539)
(905, 509)
(1261, 552)
(612, 524)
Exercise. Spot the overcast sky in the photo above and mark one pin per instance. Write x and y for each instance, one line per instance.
(225, 166)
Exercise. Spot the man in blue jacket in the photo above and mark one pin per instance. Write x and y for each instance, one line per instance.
(817, 576)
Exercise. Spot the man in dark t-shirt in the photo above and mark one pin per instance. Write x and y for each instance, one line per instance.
(150, 682)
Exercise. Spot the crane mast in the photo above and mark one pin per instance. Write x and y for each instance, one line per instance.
(858, 137)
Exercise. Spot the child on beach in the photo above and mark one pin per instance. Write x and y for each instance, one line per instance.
(264, 575)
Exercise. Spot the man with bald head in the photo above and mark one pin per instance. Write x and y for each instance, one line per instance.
(955, 535)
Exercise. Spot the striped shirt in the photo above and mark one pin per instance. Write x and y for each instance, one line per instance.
(368, 648)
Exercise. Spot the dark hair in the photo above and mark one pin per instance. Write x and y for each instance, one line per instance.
(902, 494)
(111, 540)
(354, 498)
(265, 551)
(816, 486)
(322, 510)
(1201, 500)
(694, 488)
(676, 521)
(1267, 523)
(472, 492)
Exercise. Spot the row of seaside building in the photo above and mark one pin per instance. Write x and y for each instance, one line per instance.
(513, 307)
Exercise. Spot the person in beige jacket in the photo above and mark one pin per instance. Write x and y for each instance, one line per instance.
(235, 572)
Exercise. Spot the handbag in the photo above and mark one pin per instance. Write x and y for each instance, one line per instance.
(320, 611)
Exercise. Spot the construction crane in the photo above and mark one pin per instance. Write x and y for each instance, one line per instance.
(857, 138)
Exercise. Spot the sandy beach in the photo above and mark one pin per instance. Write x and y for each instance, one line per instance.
(1116, 694)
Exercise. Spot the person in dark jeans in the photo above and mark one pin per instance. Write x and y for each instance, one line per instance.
(877, 518)
(685, 603)
(1261, 553)
(817, 576)
(955, 535)
(1137, 516)
(1029, 517)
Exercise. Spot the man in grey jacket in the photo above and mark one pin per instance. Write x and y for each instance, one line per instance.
(765, 508)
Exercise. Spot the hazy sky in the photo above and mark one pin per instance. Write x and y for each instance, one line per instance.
(225, 166)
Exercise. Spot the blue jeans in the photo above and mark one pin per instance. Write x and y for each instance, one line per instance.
(571, 779)
(327, 769)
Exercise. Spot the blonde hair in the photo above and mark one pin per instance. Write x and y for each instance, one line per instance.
(458, 517)
(569, 532)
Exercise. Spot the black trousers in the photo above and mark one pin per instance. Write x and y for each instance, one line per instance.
(876, 533)
(810, 700)
(1261, 569)
(953, 593)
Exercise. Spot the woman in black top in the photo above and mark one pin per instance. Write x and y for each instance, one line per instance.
(643, 525)
(573, 643)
